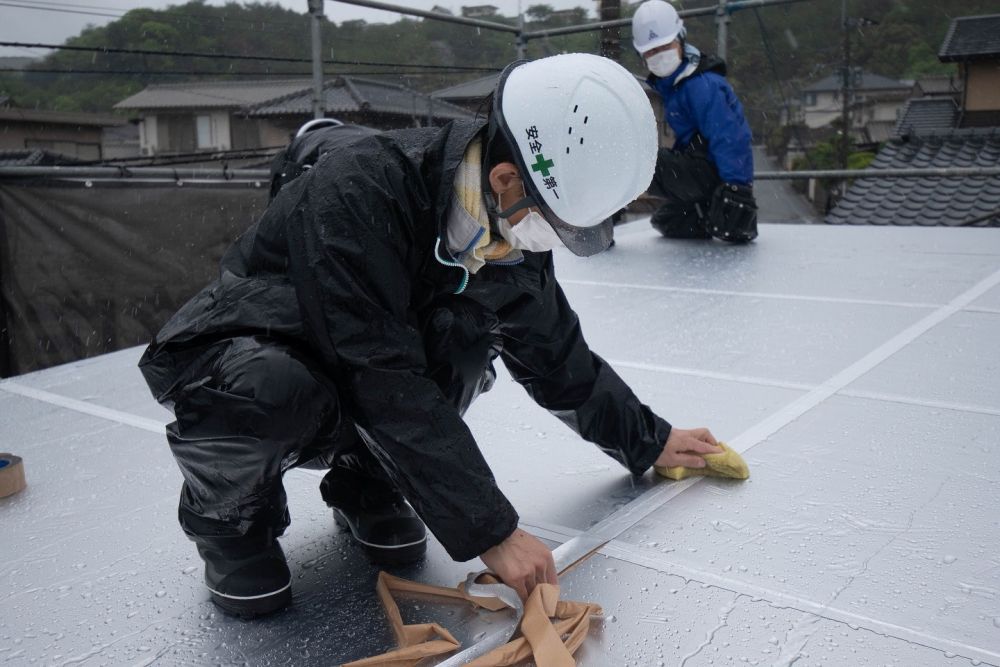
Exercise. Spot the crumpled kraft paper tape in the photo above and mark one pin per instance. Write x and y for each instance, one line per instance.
(11, 475)
(551, 630)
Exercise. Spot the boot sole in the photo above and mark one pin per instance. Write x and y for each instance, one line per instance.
(381, 554)
(254, 606)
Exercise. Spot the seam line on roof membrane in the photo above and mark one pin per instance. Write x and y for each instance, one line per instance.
(82, 406)
(926, 403)
(637, 555)
(711, 375)
(759, 295)
(586, 543)
(798, 386)
(801, 405)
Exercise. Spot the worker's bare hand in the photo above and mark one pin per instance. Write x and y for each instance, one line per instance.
(684, 447)
(522, 562)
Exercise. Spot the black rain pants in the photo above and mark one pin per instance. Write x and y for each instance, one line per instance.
(253, 407)
(687, 180)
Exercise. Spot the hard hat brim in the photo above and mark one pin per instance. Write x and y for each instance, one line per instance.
(584, 241)
(655, 44)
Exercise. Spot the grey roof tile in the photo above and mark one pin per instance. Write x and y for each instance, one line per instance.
(927, 200)
(971, 38)
(352, 94)
(212, 94)
(469, 90)
(291, 96)
(923, 115)
(81, 118)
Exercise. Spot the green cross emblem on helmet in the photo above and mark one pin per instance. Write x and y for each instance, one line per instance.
(542, 165)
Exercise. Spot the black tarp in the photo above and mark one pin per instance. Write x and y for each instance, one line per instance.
(89, 267)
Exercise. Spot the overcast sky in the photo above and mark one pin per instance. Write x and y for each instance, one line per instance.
(54, 21)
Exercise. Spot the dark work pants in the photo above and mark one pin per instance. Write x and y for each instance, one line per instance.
(687, 181)
(261, 407)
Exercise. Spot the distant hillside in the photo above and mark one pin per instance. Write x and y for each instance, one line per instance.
(804, 44)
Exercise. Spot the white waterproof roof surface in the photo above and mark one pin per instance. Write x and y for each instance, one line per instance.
(856, 368)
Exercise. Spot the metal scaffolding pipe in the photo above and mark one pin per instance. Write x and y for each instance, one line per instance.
(437, 16)
(684, 13)
(125, 174)
(924, 172)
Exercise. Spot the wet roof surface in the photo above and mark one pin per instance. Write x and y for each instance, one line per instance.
(855, 367)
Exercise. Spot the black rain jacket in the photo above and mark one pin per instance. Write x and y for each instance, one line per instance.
(342, 264)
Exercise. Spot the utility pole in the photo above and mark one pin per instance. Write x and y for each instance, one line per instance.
(520, 43)
(319, 98)
(845, 91)
(611, 45)
(722, 19)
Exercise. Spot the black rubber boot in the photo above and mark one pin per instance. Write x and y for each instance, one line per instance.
(248, 583)
(676, 221)
(390, 534)
(379, 519)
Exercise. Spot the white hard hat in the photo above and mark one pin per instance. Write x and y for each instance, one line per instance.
(654, 24)
(583, 136)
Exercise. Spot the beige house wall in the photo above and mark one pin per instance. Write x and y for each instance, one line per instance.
(982, 90)
(275, 134)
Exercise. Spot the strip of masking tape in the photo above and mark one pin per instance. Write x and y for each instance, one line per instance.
(11, 475)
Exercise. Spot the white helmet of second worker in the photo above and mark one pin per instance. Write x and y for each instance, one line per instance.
(654, 24)
(583, 136)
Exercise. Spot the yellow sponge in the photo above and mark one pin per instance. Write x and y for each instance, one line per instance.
(726, 464)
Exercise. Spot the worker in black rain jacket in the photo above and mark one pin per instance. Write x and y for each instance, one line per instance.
(355, 322)
(706, 177)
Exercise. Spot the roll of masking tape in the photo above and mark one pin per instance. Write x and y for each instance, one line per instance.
(11, 475)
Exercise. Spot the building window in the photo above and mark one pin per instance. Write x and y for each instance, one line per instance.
(203, 126)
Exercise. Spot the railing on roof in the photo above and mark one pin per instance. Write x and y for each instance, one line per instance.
(218, 174)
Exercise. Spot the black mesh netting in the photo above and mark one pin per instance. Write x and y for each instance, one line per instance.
(89, 268)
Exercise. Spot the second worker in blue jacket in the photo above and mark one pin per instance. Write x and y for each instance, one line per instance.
(706, 178)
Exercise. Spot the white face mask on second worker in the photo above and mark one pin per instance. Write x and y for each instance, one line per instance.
(664, 63)
(533, 233)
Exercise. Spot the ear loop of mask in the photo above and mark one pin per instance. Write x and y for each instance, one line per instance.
(527, 201)
(523, 203)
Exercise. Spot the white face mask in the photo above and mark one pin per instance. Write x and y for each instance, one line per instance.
(533, 233)
(664, 63)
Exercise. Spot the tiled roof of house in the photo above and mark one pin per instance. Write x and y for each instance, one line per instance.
(469, 90)
(61, 117)
(957, 201)
(352, 94)
(212, 94)
(971, 38)
(291, 96)
(926, 115)
(938, 84)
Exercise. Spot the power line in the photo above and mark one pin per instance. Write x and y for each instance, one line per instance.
(218, 73)
(161, 15)
(233, 56)
(60, 11)
(70, 4)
